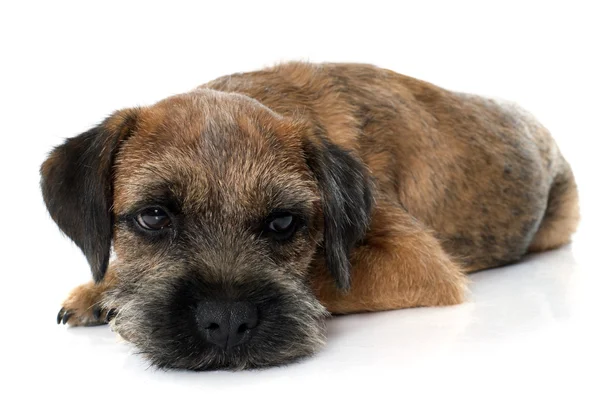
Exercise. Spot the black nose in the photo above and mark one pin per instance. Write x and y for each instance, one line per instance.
(227, 323)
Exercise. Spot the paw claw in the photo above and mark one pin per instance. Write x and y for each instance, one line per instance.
(65, 319)
(111, 314)
(97, 313)
(59, 317)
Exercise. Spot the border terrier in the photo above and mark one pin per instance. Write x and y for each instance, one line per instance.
(242, 214)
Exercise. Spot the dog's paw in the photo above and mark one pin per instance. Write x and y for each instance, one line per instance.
(84, 307)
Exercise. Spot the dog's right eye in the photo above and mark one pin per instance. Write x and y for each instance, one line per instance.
(153, 218)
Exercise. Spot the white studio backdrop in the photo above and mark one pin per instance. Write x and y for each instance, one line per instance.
(64, 66)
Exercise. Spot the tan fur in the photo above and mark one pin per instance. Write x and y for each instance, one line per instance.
(462, 182)
(85, 299)
(562, 214)
(400, 265)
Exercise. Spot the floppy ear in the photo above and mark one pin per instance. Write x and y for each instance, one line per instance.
(77, 187)
(347, 199)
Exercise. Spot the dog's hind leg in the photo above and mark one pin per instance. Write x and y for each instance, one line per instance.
(562, 212)
(399, 265)
(85, 304)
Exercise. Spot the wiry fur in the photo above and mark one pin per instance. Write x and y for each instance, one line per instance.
(402, 188)
(157, 322)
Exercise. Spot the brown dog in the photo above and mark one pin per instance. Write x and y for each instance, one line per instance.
(243, 211)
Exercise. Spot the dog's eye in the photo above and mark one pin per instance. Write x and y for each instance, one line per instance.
(282, 225)
(153, 218)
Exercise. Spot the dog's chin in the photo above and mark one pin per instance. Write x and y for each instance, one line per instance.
(163, 326)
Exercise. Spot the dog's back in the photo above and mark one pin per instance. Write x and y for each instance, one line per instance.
(484, 175)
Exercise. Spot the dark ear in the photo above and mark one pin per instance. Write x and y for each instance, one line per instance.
(347, 199)
(77, 187)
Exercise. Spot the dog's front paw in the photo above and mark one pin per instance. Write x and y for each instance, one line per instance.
(84, 307)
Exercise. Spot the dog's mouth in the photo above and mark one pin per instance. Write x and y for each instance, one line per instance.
(200, 326)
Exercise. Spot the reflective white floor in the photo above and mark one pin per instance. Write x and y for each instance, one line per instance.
(529, 333)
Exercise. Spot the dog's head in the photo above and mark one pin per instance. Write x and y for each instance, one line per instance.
(216, 207)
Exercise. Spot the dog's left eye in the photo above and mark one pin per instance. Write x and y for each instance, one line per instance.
(153, 218)
(282, 226)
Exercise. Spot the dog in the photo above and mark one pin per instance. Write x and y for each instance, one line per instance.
(245, 212)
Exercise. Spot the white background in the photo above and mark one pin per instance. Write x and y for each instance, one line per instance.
(527, 337)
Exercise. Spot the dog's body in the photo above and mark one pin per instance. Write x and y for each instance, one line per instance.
(394, 188)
